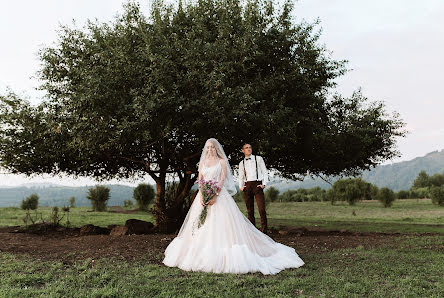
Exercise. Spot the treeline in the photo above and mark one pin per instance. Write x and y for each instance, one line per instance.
(352, 190)
(99, 196)
(426, 186)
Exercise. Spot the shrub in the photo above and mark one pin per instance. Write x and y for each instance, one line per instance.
(176, 212)
(403, 194)
(315, 194)
(66, 210)
(437, 195)
(296, 197)
(337, 192)
(351, 190)
(271, 194)
(386, 196)
(325, 196)
(353, 193)
(98, 197)
(30, 203)
(422, 180)
(420, 193)
(437, 179)
(286, 196)
(171, 192)
(128, 203)
(370, 191)
(55, 216)
(72, 202)
(144, 194)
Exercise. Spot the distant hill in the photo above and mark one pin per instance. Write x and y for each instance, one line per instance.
(395, 176)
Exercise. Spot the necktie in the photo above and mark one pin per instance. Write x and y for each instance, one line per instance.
(248, 158)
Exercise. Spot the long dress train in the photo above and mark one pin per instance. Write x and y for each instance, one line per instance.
(227, 242)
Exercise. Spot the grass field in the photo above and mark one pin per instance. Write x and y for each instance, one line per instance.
(408, 215)
(407, 266)
(78, 216)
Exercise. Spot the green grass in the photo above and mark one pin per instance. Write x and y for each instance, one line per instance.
(11, 216)
(407, 216)
(412, 268)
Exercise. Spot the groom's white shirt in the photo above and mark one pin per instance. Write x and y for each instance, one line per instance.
(250, 168)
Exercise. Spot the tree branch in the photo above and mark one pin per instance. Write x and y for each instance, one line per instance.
(190, 156)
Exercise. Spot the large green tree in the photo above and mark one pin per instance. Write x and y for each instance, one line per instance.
(142, 94)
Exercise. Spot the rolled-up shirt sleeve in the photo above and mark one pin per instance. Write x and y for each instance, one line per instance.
(241, 175)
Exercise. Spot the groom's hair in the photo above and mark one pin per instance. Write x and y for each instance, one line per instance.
(243, 145)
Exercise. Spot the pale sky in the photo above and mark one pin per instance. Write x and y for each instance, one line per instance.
(394, 48)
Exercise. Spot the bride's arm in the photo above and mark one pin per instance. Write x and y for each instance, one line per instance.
(199, 170)
(223, 174)
(199, 177)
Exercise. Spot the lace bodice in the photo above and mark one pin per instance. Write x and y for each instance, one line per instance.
(212, 172)
(216, 172)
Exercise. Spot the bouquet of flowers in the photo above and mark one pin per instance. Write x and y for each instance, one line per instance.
(208, 188)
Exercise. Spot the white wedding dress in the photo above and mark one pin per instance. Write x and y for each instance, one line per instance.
(227, 242)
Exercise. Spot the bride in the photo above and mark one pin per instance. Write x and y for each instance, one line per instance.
(227, 242)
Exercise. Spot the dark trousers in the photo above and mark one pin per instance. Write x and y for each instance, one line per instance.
(252, 191)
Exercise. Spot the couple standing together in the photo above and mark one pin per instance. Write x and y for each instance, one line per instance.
(229, 242)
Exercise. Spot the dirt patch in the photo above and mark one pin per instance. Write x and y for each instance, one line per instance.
(66, 245)
(119, 209)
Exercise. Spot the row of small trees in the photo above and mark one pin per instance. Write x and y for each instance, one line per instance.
(99, 195)
(32, 202)
(350, 190)
(143, 194)
(428, 186)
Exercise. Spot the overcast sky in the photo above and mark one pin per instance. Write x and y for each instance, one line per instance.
(395, 49)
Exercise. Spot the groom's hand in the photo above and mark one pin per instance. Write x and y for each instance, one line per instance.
(261, 186)
(242, 188)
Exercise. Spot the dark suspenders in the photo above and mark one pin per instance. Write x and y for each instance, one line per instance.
(257, 176)
(245, 172)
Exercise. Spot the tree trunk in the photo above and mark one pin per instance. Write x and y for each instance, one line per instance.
(170, 215)
(160, 208)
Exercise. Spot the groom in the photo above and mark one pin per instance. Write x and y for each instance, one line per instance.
(252, 180)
